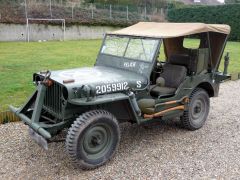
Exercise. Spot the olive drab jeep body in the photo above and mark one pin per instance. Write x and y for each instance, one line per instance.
(128, 83)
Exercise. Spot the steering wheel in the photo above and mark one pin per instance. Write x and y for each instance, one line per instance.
(158, 68)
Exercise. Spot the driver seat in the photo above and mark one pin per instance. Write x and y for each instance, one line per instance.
(174, 73)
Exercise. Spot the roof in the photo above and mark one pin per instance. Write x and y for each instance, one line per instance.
(169, 30)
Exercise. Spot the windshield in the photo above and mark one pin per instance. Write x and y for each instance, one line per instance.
(133, 48)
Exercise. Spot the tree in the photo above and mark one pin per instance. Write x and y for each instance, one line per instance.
(232, 1)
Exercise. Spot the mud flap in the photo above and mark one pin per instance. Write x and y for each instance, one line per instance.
(41, 141)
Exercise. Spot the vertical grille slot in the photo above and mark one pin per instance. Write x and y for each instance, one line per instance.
(52, 100)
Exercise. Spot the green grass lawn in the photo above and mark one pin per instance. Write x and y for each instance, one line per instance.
(19, 60)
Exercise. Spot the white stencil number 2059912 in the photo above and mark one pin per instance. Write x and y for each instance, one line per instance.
(105, 88)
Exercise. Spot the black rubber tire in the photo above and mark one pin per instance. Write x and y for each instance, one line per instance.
(190, 120)
(80, 144)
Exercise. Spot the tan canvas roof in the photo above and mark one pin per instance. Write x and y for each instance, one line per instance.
(169, 30)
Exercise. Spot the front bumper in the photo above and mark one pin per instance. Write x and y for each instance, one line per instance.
(35, 126)
(37, 98)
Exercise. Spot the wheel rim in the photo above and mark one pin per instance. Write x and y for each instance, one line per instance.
(198, 109)
(97, 141)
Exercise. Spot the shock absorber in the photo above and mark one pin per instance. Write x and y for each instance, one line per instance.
(134, 103)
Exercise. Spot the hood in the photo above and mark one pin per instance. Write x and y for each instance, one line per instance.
(101, 79)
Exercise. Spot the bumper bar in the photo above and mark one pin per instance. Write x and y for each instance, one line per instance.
(36, 127)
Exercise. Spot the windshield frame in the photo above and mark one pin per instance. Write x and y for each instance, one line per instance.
(156, 50)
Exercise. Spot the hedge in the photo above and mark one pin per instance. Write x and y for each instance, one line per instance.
(222, 14)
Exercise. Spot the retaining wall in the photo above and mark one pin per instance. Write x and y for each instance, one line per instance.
(18, 32)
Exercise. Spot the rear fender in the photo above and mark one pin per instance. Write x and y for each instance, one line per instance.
(211, 89)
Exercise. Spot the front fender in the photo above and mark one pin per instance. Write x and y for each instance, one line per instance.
(106, 98)
(110, 99)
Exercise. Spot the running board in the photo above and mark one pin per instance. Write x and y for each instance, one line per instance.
(161, 113)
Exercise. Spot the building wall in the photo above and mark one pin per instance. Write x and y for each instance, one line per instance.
(41, 32)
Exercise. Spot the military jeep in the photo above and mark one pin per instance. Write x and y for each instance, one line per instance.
(128, 83)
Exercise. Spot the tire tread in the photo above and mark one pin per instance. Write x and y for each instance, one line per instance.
(185, 119)
(78, 125)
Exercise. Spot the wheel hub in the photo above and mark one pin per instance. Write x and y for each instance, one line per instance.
(96, 140)
(198, 109)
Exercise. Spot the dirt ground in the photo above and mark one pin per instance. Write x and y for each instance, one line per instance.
(161, 151)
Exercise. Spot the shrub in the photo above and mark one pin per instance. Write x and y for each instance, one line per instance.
(222, 14)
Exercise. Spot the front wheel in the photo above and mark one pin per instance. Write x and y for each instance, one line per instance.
(197, 112)
(93, 139)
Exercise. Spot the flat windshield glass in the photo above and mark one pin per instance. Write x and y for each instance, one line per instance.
(132, 48)
(114, 45)
(142, 49)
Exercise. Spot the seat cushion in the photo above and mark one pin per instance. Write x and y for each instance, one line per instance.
(174, 75)
(147, 105)
(157, 91)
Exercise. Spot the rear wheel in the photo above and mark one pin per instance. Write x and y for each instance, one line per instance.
(93, 139)
(196, 114)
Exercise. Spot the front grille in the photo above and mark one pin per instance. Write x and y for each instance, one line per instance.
(53, 100)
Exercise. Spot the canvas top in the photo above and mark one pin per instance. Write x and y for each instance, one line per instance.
(170, 30)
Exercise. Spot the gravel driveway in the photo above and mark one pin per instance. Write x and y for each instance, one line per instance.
(162, 150)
